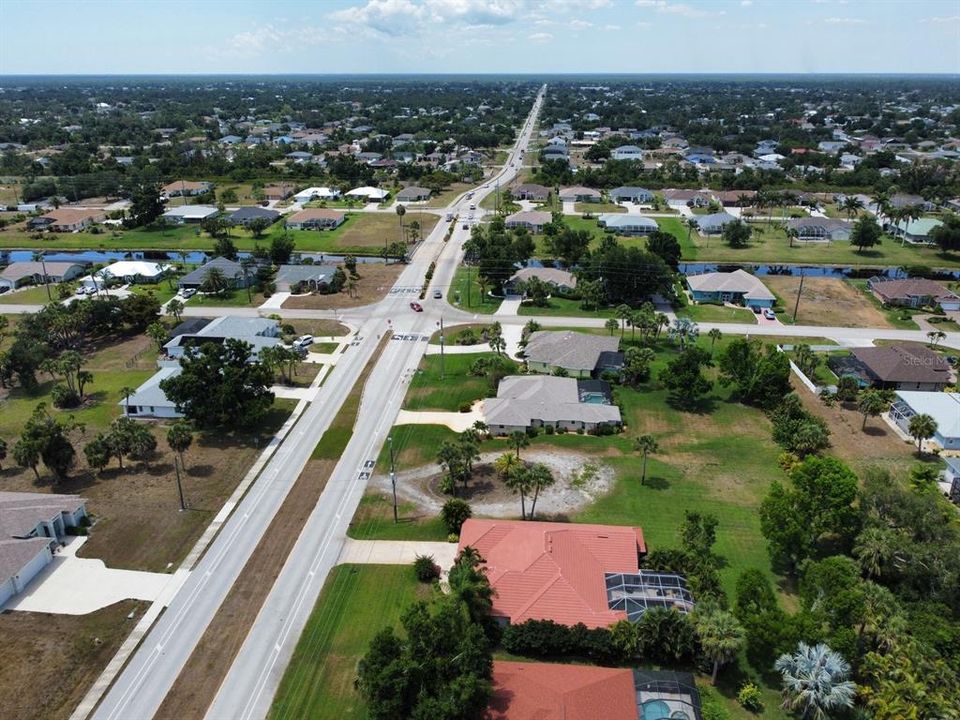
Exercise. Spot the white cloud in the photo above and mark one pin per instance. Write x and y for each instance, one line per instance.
(580, 24)
(947, 20)
(396, 17)
(611, 27)
(540, 37)
(746, 3)
(389, 17)
(844, 21)
(271, 38)
(681, 9)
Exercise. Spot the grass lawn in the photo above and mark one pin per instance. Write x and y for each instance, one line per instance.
(447, 196)
(374, 519)
(895, 317)
(232, 298)
(30, 296)
(465, 293)
(770, 245)
(597, 208)
(357, 601)
(717, 313)
(457, 388)
(564, 307)
(677, 227)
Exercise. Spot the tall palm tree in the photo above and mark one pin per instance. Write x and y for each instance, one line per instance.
(401, 211)
(714, 335)
(623, 314)
(815, 681)
(921, 427)
(127, 391)
(540, 478)
(881, 201)
(519, 440)
(645, 445)
(851, 205)
(721, 637)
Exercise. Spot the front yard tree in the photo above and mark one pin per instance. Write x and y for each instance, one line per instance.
(518, 480)
(519, 440)
(258, 226)
(26, 453)
(666, 247)
(223, 246)
(636, 364)
(760, 374)
(815, 682)
(46, 436)
(98, 452)
(455, 512)
(281, 248)
(158, 333)
(214, 281)
(871, 404)
(146, 204)
(721, 637)
(219, 387)
(495, 338)
(684, 379)
(947, 235)
(539, 478)
(612, 325)
(179, 439)
(922, 427)
(645, 445)
(866, 233)
(737, 234)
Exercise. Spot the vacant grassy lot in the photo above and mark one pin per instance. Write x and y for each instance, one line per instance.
(564, 307)
(50, 661)
(357, 602)
(465, 293)
(447, 196)
(771, 245)
(457, 388)
(30, 296)
(827, 301)
(229, 298)
(597, 208)
(374, 282)
(717, 313)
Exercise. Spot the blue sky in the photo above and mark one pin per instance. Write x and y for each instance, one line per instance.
(478, 36)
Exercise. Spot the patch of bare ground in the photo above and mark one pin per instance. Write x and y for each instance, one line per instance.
(580, 480)
(827, 301)
(374, 282)
(50, 661)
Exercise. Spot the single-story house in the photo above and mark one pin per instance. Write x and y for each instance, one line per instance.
(944, 408)
(625, 224)
(232, 272)
(129, 271)
(916, 231)
(183, 214)
(532, 220)
(257, 331)
(894, 367)
(580, 194)
(580, 354)
(32, 527)
(820, 229)
(413, 194)
(951, 479)
(554, 277)
(278, 191)
(368, 194)
(913, 292)
(628, 193)
(243, 216)
(149, 400)
(531, 191)
(627, 152)
(570, 572)
(316, 219)
(64, 220)
(693, 198)
(316, 193)
(314, 277)
(564, 403)
(31, 272)
(713, 223)
(738, 286)
(547, 691)
(733, 198)
(902, 200)
(185, 188)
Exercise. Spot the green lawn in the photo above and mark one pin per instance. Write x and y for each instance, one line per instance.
(717, 313)
(374, 519)
(465, 293)
(234, 298)
(597, 208)
(30, 296)
(771, 245)
(678, 228)
(564, 307)
(357, 601)
(457, 387)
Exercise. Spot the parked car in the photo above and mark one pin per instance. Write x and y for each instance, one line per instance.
(437, 295)
(188, 293)
(417, 307)
(466, 226)
(303, 341)
(769, 314)
(81, 290)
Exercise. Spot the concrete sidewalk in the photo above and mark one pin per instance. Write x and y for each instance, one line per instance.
(275, 301)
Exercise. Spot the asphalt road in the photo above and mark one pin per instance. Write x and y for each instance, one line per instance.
(247, 691)
(249, 687)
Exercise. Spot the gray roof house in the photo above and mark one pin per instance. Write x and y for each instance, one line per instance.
(149, 400)
(580, 194)
(627, 193)
(258, 332)
(232, 273)
(814, 229)
(413, 194)
(533, 401)
(29, 272)
(738, 286)
(244, 215)
(531, 191)
(625, 224)
(532, 220)
(32, 526)
(314, 277)
(559, 279)
(714, 223)
(580, 354)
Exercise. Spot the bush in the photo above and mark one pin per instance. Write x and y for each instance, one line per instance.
(549, 429)
(453, 538)
(426, 569)
(465, 407)
(750, 698)
(63, 397)
(546, 638)
(77, 530)
(455, 513)
(711, 704)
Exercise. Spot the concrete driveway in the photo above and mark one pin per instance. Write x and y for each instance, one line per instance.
(76, 586)
(396, 552)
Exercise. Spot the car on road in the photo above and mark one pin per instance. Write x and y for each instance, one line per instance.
(81, 290)
(416, 307)
(769, 314)
(437, 295)
(303, 341)
(473, 206)
(466, 226)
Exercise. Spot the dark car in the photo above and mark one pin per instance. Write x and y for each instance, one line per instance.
(416, 306)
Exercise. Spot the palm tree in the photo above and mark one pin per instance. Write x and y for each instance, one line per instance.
(179, 438)
(714, 335)
(539, 477)
(645, 445)
(815, 681)
(351, 285)
(175, 308)
(871, 404)
(691, 224)
(684, 330)
(909, 214)
(245, 265)
(851, 205)
(721, 637)
(612, 325)
(401, 211)
(922, 427)
(506, 464)
(214, 281)
(881, 201)
(877, 549)
(519, 440)
(127, 391)
(935, 336)
(518, 480)
(623, 314)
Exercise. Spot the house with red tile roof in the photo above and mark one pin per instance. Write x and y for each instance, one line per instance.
(546, 691)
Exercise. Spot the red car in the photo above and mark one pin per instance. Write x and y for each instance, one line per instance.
(416, 306)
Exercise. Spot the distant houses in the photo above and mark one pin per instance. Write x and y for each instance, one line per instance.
(18, 274)
(557, 279)
(532, 192)
(185, 188)
(231, 271)
(316, 193)
(278, 191)
(626, 224)
(714, 223)
(814, 229)
(297, 278)
(627, 152)
(368, 194)
(631, 194)
(67, 220)
(245, 215)
(190, 214)
(580, 194)
(131, 272)
(414, 194)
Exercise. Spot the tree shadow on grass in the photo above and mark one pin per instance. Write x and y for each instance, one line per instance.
(655, 482)
(200, 471)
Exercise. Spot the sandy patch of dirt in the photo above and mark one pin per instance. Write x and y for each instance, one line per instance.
(827, 301)
(580, 481)
(375, 282)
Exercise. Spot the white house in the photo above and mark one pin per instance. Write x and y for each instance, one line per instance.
(625, 224)
(316, 193)
(370, 194)
(627, 152)
(129, 271)
(183, 214)
(31, 272)
(943, 407)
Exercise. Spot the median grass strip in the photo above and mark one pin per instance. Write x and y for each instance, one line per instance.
(202, 675)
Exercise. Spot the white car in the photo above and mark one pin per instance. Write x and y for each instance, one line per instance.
(769, 314)
(303, 341)
(81, 290)
(188, 293)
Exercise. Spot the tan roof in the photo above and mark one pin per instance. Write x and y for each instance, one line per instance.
(69, 216)
(315, 214)
(738, 281)
(911, 287)
(531, 217)
(554, 276)
(19, 270)
(181, 185)
(570, 350)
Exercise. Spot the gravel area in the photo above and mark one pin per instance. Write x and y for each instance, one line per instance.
(580, 480)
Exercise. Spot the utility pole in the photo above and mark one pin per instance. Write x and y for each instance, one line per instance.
(46, 280)
(393, 480)
(468, 287)
(176, 465)
(441, 348)
(797, 304)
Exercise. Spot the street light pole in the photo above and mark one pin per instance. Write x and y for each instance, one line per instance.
(393, 480)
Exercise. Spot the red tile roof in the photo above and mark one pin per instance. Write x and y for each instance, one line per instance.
(541, 691)
(553, 571)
